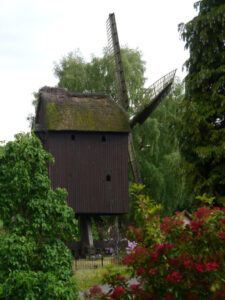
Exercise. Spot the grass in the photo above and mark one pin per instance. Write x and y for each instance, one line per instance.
(87, 278)
(96, 263)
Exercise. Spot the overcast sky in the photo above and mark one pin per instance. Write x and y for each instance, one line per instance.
(36, 33)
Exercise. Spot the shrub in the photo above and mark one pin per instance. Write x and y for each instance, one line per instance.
(173, 260)
(36, 285)
(34, 261)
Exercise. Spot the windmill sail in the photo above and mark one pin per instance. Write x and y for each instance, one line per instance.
(114, 47)
(155, 93)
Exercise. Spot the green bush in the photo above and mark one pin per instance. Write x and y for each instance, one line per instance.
(36, 285)
(34, 261)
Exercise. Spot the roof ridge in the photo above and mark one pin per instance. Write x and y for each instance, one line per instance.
(63, 91)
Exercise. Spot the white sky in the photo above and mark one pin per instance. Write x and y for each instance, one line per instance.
(36, 33)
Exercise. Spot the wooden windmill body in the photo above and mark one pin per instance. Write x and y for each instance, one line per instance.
(87, 134)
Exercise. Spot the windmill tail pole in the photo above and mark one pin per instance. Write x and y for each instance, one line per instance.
(133, 160)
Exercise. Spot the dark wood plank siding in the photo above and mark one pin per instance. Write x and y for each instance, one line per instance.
(93, 167)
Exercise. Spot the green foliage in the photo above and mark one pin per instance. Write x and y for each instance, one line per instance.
(36, 285)
(97, 76)
(203, 130)
(143, 206)
(36, 222)
(157, 150)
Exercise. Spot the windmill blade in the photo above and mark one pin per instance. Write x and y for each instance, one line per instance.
(114, 48)
(156, 93)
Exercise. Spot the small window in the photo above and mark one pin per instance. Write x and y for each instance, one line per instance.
(108, 177)
(103, 138)
(72, 137)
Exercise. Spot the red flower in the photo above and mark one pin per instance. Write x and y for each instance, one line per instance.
(95, 289)
(134, 288)
(140, 251)
(203, 211)
(166, 225)
(130, 228)
(175, 276)
(140, 271)
(183, 257)
(138, 235)
(187, 264)
(222, 221)
(222, 235)
(199, 268)
(152, 272)
(212, 266)
(164, 246)
(118, 291)
(128, 260)
(154, 256)
(195, 225)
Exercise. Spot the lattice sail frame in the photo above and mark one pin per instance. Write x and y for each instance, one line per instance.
(114, 51)
(157, 87)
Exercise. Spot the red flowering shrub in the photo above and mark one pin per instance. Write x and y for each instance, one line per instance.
(118, 292)
(174, 260)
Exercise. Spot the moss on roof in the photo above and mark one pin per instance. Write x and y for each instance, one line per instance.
(81, 112)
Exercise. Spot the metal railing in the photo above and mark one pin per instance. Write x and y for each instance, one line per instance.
(96, 262)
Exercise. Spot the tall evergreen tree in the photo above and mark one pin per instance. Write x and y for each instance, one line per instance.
(203, 134)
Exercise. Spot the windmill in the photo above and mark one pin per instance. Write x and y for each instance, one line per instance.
(90, 149)
(155, 93)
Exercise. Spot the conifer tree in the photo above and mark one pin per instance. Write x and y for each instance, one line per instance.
(203, 129)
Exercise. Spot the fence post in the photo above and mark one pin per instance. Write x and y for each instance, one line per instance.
(102, 257)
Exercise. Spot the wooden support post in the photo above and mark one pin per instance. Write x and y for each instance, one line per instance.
(86, 237)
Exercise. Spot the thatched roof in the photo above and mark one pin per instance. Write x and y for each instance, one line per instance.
(59, 110)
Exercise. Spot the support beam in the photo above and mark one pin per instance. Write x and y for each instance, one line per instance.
(86, 237)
